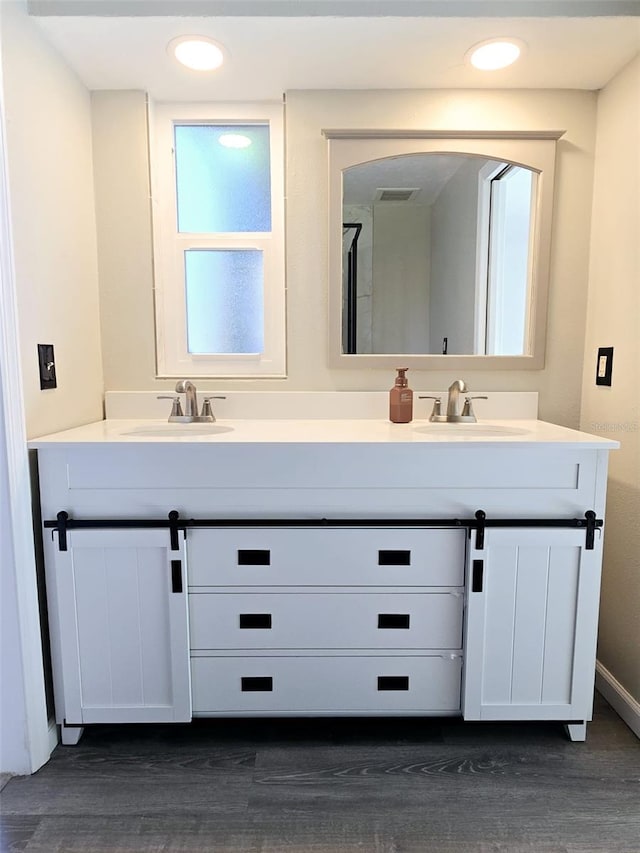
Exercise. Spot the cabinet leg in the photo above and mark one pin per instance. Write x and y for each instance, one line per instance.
(576, 731)
(70, 735)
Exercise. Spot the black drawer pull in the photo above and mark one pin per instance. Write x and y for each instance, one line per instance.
(393, 682)
(176, 575)
(254, 557)
(255, 620)
(253, 684)
(476, 578)
(393, 620)
(394, 558)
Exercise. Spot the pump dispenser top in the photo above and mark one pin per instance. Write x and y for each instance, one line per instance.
(401, 399)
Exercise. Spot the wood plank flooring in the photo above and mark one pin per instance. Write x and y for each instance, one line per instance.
(333, 786)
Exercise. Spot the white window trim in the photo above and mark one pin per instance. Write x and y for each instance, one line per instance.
(172, 356)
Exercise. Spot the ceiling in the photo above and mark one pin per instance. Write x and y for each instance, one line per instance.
(371, 44)
(427, 173)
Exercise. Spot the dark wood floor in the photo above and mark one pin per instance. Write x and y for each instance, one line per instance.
(327, 786)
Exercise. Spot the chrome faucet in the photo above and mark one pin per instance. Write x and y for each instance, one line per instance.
(184, 386)
(456, 388)
(454, 415)
(190, 415)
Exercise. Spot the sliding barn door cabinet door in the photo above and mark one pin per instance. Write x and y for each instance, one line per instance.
(531, 626)
(123, 627)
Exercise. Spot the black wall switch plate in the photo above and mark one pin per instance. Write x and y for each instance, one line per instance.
(604, 368)
(47, 366)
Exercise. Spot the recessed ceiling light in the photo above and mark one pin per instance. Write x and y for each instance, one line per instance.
(197, 52)
(495, 53)
(234, 140)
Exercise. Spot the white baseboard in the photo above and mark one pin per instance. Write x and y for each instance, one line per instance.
(620, 699)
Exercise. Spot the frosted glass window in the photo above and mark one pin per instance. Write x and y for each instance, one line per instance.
(217, 182)
(222, 189)
(225, 301)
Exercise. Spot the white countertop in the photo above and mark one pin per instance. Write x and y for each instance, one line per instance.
(316, 431)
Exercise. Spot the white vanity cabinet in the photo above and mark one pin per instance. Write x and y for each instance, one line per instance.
(318, 621)
(323, 568)
(121, 622)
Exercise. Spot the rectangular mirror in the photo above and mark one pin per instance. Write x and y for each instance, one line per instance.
(439, 248)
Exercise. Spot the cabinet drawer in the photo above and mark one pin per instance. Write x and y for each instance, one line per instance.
(328, 620)
(326, 557)
(325, 685)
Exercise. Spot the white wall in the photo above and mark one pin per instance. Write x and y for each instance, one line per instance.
(51, 182)
(308, 113)
(129, 286)
(47, 147)
(454, 233)
(401, 247)
(613, 319)
(123, 216)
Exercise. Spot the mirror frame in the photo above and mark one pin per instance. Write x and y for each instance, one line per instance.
(534, 149)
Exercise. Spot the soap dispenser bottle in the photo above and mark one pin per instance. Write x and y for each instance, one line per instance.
(401, 399)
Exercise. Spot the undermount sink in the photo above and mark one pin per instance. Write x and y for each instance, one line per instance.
(176, 430)
(478, 430)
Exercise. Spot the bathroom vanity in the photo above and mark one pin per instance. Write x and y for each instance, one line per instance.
(322, 567)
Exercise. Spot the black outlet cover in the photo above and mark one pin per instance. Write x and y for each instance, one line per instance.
(47, 366)
(604, 368)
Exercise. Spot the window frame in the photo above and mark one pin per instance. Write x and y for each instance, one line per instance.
(172, 356)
